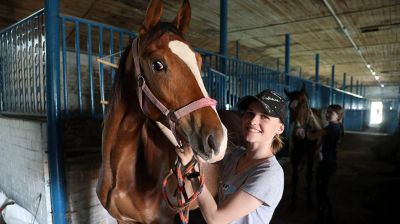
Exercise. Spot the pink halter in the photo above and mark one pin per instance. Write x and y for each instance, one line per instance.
(172, 115)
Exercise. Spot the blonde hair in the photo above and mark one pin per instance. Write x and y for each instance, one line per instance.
(277, 144)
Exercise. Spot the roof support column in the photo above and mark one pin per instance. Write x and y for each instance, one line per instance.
(57, 175)
(332, 85)
(287, 58)
(223, 33)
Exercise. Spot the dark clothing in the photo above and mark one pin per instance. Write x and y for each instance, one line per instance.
(330, 142)
(326, 168)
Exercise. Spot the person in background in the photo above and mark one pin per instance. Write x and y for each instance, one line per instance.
(251, 178)
(327, 166)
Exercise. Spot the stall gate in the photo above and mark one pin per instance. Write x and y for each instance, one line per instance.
(84, 86)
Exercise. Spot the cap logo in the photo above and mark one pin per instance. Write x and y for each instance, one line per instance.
(270, 98)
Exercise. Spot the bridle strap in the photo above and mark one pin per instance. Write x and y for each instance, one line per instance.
(172, 116)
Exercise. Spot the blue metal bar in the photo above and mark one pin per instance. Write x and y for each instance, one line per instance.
(78, 66)
(111, 53)
(120, 47)
(90, 67)
(287, 58)
(94, 23)
(277, 64)
(332, 84)
(64, 59)
(101, 79)
(57, 178)
(237, 49)
(357, 87)
(351, 84)
(344, 89)
(223, 33)
(316, 68)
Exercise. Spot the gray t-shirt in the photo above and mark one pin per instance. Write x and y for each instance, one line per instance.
(264, 181)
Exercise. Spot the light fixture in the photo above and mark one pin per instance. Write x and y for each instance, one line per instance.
(376, 77)
(368, 66)
(373, 73)
(382, 85)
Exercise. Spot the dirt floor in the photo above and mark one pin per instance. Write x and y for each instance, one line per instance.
(365, 188)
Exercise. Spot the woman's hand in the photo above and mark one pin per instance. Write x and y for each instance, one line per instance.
(185, 154)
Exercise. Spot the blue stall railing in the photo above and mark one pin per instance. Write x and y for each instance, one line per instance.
(86, 82)
(22, 68)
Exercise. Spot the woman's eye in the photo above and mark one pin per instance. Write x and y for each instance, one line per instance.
(159, 66)
(265, 117)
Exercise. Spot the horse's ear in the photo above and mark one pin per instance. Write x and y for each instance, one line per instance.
(152, 17)
(182, 19)
(303, 88)
(286, 92)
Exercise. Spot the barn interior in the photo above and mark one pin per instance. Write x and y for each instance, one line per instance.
(350, 47)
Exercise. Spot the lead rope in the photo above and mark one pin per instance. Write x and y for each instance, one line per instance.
(181, 195)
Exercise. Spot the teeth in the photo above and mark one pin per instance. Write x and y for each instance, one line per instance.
(253, 130)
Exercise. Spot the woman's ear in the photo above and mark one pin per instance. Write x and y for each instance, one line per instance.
(280, 129)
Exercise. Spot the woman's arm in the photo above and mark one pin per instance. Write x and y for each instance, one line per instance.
(237, 205)
(316, 134)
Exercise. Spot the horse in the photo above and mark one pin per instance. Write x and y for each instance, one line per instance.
(157, 85)
(303, 119)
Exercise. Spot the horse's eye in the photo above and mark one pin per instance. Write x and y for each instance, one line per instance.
(159, 66)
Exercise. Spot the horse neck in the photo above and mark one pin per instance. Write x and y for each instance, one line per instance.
(315, 120)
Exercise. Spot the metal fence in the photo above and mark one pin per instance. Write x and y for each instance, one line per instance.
(22, 67)
(85, 83)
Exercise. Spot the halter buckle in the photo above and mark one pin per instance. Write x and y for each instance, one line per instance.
(140, 80)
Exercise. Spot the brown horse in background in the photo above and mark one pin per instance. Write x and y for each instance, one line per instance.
(303, 118)
(136, 155)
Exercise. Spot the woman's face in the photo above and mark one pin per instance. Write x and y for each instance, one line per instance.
(331, 115)
(258, 126)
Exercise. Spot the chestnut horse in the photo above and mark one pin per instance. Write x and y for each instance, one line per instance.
(158, 82)
(303, 118)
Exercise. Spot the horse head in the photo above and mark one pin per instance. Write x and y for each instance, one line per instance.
(298, 105)
(171, 69)
(158, 82)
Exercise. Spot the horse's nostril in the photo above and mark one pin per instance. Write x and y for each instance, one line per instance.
(211, 142)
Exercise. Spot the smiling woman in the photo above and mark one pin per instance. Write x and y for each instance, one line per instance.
(251, 174)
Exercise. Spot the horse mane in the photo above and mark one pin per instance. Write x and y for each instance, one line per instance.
(117, 90)
(117, 87)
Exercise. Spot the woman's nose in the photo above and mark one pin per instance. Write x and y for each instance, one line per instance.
(254, 120)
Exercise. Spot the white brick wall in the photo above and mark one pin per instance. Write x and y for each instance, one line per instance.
(23, 145)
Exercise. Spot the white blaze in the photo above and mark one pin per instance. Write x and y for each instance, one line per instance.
(186, 54)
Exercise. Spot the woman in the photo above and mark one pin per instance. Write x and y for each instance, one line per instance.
(327, 165)
(251, 179)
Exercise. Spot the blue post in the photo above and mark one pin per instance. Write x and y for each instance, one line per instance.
(332, 85)
(344, 82)
(316, 68)
(223, 33)
(316, 95)
(57, 178)
(351, 84)
(344, 89)
(237, 49)
(277, 64)
(357, 87)
(287, 58)
(351, 90)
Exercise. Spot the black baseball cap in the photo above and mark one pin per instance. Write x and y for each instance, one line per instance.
(274, 104)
